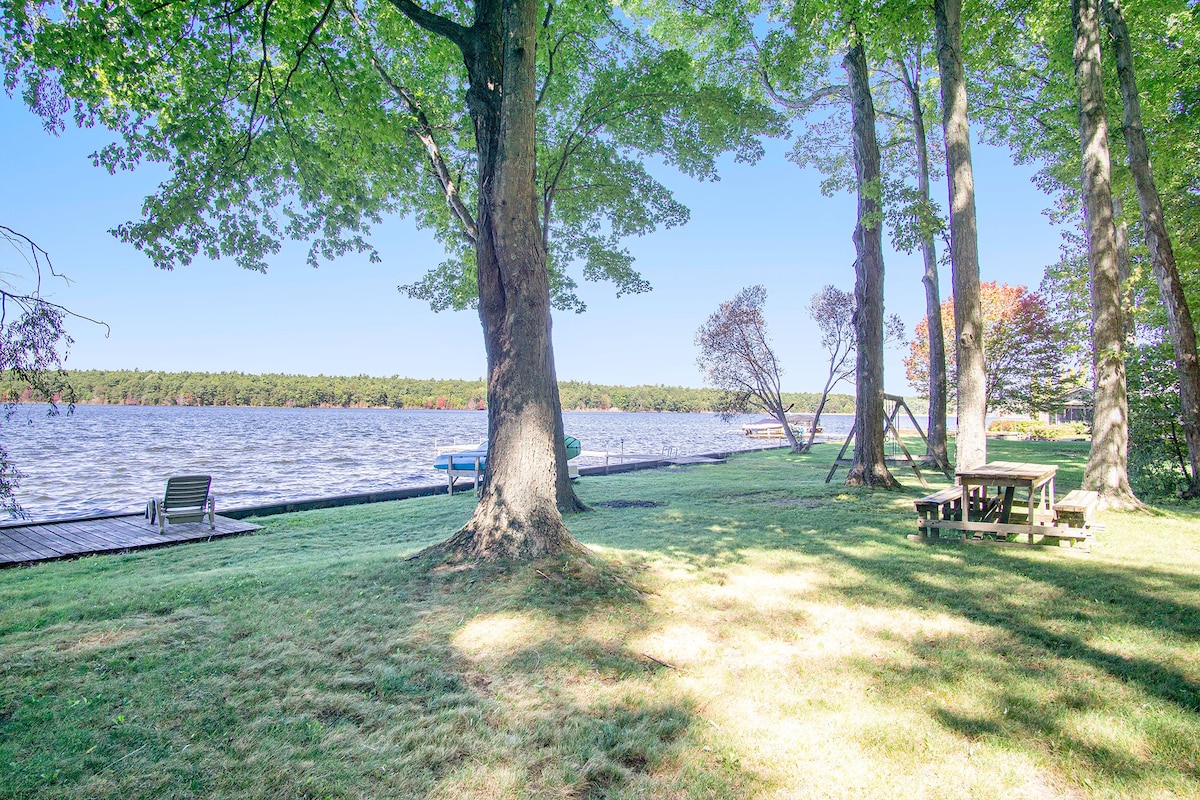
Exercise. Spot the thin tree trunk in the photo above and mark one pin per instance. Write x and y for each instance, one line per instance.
(788, 433)
(869, 468)
(1107, 469)
(812, 431)
(525, 481)
(971, 438)
(770, 392)
(936, 450)
(1162, 256)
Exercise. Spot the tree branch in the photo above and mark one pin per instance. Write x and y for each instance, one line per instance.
(312, 35)
(35, 257)
(882, 112)
(434, 23)
(792, 104)
(550, 61)
(425, 133)
(258, 83)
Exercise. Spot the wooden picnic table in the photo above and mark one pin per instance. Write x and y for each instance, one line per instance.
(994, 513)
(998, 500)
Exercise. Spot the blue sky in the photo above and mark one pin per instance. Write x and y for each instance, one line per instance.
(765, 224)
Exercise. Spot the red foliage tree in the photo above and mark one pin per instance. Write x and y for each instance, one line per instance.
(1026, 353)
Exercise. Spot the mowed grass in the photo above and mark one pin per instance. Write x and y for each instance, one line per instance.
(746, 631)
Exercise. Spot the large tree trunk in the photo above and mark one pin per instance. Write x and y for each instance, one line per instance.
(1107, 468)
(936, 450)
(1124, 266)
(869, 468)
(971, 439)
(1162, 256)
(525, 481)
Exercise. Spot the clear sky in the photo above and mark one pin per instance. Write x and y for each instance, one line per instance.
(765, 224)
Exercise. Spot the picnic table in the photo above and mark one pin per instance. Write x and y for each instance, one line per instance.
(1003, 499)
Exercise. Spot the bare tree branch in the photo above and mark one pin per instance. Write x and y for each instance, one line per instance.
(802, 104)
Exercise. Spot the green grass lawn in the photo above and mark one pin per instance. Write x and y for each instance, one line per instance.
(747, 631)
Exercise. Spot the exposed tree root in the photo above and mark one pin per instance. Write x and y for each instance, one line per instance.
(573, 505)
(572, 581)
(1120, 502)
(861, 476)
(498, 532)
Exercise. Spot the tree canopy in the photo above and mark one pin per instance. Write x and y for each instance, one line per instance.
(284, 120)
(736, 358)
(289, 120)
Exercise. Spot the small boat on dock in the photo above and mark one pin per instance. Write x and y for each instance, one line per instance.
(770, 428)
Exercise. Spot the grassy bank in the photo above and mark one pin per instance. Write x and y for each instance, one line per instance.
(758, 634)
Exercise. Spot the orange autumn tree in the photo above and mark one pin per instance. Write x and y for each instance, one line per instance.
(1026, 354)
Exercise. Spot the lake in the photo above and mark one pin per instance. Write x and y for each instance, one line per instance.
(113, 458)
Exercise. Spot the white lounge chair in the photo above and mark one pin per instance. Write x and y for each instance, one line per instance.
(186, 499)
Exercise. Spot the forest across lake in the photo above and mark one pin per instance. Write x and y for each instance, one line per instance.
(154, 388)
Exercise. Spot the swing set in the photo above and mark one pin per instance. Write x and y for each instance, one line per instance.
(895, 452)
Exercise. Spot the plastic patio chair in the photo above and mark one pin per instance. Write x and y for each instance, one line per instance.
(187, 499)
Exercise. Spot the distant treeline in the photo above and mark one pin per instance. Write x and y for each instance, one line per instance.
(134, 387)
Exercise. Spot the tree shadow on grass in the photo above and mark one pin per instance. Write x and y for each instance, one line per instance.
(1046, 655)
(992, 587)
(543, 649)
(1037, 658)
(364, 678)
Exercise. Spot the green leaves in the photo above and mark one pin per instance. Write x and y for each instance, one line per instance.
(314, 121)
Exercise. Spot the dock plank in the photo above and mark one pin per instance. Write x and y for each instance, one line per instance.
(51, 539)
(44, 541)
(14, 552)
(98, 535)
(31, 542)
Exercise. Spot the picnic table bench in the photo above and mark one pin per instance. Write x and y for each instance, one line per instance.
(977, 514)
(943, 505)
(1077, 508)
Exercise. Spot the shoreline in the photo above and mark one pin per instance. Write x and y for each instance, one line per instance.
(93, 403)
(384, 496)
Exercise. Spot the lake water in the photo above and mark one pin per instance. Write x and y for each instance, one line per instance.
(112, 458)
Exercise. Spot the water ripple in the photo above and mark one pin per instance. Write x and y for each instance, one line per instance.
(111, 458)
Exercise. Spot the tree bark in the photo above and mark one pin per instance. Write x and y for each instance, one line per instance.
(971, 438)
(1124, 269)
(788, 433)
(1107, 468)
(812, 431)
(936, 450)
(869, 468)
(525, 484)
(1162, 255)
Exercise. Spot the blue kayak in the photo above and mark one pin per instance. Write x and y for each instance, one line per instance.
(464, 460)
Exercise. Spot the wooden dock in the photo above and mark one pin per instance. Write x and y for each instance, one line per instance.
(29, 542)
